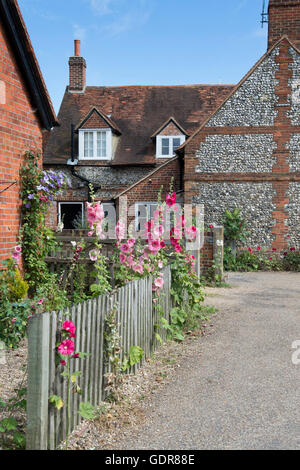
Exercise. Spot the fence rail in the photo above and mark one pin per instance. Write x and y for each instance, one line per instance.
(137, 318)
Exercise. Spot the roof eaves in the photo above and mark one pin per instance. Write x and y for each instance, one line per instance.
(20, 41)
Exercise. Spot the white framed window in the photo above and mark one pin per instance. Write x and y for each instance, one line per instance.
(144, 211)
(95, 144)
(71, 214)
(167, 144)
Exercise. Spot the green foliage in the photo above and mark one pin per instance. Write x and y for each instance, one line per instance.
(86, 410)
(11, 435)
(261, 260)
(234, 226)
(37, 189)
(187, 296)
(291, 261)
(135, 356)
(16, 286)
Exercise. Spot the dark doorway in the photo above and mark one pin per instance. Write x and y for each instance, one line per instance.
(71, 214)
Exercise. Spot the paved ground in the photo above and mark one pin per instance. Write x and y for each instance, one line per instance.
(239, 389)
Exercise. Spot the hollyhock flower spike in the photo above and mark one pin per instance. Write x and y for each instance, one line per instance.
(69, 327)
(66, 347)
(159, 282)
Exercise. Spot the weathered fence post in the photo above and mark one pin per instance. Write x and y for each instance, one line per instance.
(38, 382)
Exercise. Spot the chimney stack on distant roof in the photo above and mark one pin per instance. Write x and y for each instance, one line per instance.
(284, 20)
(77, 68)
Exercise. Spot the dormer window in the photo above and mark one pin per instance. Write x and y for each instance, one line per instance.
(167, 145)
(97, 136)
(95, 144)
(169, 137)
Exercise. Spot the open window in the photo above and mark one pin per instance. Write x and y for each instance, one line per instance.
(71, 214)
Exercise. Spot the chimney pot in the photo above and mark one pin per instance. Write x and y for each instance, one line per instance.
(77, 47)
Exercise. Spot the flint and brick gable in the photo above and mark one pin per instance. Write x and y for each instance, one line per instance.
(230, 163)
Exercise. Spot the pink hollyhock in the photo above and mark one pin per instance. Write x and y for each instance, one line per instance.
(292, 249)
(178, 248)
(274, 249)
(154, 245)
(288, 236)
(123, 258)
(90, 234)
(158, 230)
(211, 226)
(14, 320)
(129, 261)
(270, 258)
(258, 248)
(159, 282)
(93, 254)
(63, 363)
(250, 250)
(69, 326)
(41, 301)
(66, 347)
(120, 230)
(285, 253)
(18, 249)
(44, 198)
(95, 213)
(125, 248)
(131, 242)
(171, 200)
(174, 241)
(75, 356)
(138, 268)
(162, 244)
(160, 264)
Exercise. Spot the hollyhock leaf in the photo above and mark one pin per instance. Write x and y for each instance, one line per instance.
(86, 410)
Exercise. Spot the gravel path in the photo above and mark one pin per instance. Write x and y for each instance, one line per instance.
(238, 388)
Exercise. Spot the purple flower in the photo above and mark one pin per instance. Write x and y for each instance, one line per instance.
(30, 196)
(28, 205)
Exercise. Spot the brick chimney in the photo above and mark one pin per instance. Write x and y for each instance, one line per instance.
(77, 67)
(284, 19)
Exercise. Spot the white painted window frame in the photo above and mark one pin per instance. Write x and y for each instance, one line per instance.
(70, 203)
(148, 212)
(170, 137)
(94, 131)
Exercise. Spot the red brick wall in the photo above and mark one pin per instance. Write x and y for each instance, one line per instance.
(147, 190)
(19, 131)
(284, 19)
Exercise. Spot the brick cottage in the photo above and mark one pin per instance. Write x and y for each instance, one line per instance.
(25, 111)
(225, 146)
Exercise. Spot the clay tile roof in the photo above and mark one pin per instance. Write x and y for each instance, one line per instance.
(138, 111)
(15, 27)
(111, 124)
(165, 124)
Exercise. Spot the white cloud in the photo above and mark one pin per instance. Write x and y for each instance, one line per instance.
(127, 22)
(79, 32)
(102, 7)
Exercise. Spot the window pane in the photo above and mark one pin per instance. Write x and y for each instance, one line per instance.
(101, 144)
(165, 143)
(88, 145)
(176, 144)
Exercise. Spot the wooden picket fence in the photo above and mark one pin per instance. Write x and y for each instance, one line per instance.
(137, 319)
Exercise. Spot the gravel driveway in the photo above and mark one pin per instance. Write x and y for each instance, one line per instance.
(238, 388)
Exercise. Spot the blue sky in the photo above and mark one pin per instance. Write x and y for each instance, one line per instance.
(146, 42)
